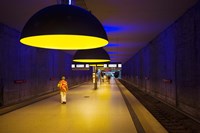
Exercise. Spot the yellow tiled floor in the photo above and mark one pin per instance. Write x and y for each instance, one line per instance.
(86, 111)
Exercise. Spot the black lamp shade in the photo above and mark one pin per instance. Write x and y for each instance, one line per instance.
(98, 55)
(68, 21)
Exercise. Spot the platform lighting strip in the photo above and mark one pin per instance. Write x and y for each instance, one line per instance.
(74, 66)
(80, 67)
(111, 65)
(117, 65)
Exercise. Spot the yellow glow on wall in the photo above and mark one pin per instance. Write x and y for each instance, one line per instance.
(100, 65)
(90, 60)
(63, 42)
(92, 64)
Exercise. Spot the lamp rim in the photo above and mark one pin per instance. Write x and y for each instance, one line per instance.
(91, 60)
(64, 41)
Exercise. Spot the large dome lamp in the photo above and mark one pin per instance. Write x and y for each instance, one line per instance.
(64, 27)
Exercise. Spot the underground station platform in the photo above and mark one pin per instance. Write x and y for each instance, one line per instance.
(109, 109)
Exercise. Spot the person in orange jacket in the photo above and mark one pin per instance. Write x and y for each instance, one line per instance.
(63, 86)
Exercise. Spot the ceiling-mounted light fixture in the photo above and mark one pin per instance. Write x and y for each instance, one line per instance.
(64, 27)
(98, 55)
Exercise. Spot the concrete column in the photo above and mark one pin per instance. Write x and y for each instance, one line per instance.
(94, 77)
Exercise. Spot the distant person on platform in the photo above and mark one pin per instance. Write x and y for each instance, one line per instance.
(102, 76)
(109, 76)
(63, 86)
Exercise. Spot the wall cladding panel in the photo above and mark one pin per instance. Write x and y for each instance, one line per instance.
(197, 32)
(186, 63)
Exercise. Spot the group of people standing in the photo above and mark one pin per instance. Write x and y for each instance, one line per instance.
(104, 77)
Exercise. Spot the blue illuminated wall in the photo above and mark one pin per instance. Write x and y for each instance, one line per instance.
(39, 69)
(168, 68)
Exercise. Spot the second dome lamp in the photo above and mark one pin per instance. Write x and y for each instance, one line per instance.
(98, 55)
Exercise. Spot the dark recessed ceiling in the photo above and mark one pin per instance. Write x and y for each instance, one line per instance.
(130, 24)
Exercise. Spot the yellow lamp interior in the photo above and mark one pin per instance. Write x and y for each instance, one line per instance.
(63, 42)
(90, 60)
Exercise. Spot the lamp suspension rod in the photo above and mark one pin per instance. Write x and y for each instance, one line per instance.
(69, 2)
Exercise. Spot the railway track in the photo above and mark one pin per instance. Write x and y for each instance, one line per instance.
(173, 120)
